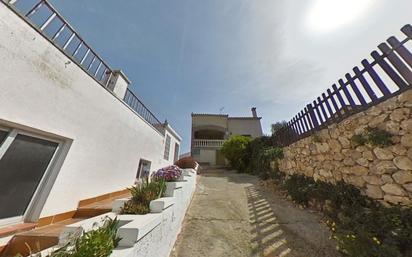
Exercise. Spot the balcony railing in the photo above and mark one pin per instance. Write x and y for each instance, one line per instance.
(44, 17)
(133, 101)
(51, 24)
(212, 143)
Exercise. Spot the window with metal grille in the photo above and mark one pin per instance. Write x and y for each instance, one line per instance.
(176, 157)
(167, 148)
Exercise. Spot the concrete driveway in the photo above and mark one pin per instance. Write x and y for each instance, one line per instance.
(231, 215)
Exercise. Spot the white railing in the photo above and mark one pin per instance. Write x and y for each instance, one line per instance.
(217, 143)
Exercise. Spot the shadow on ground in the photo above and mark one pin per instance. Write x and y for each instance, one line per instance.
(232, 215)
(267, 236)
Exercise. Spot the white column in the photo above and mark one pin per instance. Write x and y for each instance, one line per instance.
(118, 83)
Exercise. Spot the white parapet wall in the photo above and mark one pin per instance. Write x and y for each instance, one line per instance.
(149, 235)
(45, 93)
(154, 234)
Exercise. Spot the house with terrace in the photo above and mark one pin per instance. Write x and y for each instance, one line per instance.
(72, 131)
(209, 132)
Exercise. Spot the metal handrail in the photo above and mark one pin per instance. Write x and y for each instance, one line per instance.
(89, 61)
(134, 102)
(96, 67)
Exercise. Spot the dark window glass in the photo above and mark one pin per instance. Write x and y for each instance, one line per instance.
(3, 135)
(21, 169)
(167, 148)
(176, 157)
(144, 169)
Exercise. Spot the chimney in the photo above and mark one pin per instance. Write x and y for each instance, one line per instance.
(254, 113)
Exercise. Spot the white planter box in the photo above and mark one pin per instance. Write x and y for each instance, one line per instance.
(158, 205)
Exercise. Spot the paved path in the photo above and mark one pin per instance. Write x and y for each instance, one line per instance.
(231, 215)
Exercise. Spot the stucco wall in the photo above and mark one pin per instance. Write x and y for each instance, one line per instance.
(383, 173)
(246, 126)
(161, 239)
(206, 156)
(209, 120)
(43, 90)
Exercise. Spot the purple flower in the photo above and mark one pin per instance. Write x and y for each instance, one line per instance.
(169, 173)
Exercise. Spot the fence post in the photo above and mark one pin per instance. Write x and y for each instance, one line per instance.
(407, 30)
(302, 123)
(335, 106)
(307, 119)
(325, 100)
(316, 107)
(388, 69)
(341, 101)
(365, 84)
(401, 50)
(396, 62)
(378, 81)
(325, 116)
(355, 89)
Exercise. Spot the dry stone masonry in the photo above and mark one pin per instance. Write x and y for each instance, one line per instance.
(383, 173)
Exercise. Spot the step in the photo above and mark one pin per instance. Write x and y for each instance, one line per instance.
(35, 240)
(89, 213)
(16, 228)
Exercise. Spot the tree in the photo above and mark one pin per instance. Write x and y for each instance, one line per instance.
(235, 152)
(277, 126)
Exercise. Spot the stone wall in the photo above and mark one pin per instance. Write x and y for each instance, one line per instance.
(383, 173)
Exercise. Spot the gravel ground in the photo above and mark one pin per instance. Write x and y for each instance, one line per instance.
(232, 215)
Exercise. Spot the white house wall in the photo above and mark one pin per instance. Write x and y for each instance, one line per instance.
(246, 126)
(207, 120)
(206, 156)
(42, 89)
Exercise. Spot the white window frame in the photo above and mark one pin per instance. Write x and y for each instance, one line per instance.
(139, 173)
(39, 192)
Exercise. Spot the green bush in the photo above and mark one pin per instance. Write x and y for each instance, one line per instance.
(142, 195)
(259, 153)
(379, 137)
(266, 156)
(235, 152)
(252, 157)
(361, 226)
(373, 136)
(359, 139)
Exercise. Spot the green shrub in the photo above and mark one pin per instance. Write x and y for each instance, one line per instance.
(379, 137)
(142, 195)
(361, 226)
(252, 157)
(316, 138)
(259, 154)
(359, 139)
(235, 152)
(98, 242)
(373, 136)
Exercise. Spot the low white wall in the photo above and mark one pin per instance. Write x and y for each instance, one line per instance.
(42, 90)
(159, 241)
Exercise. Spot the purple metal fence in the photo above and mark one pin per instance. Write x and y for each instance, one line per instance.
(51, 24)
(367, 86)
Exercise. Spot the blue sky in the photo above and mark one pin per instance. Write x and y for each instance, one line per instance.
(187, 56)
